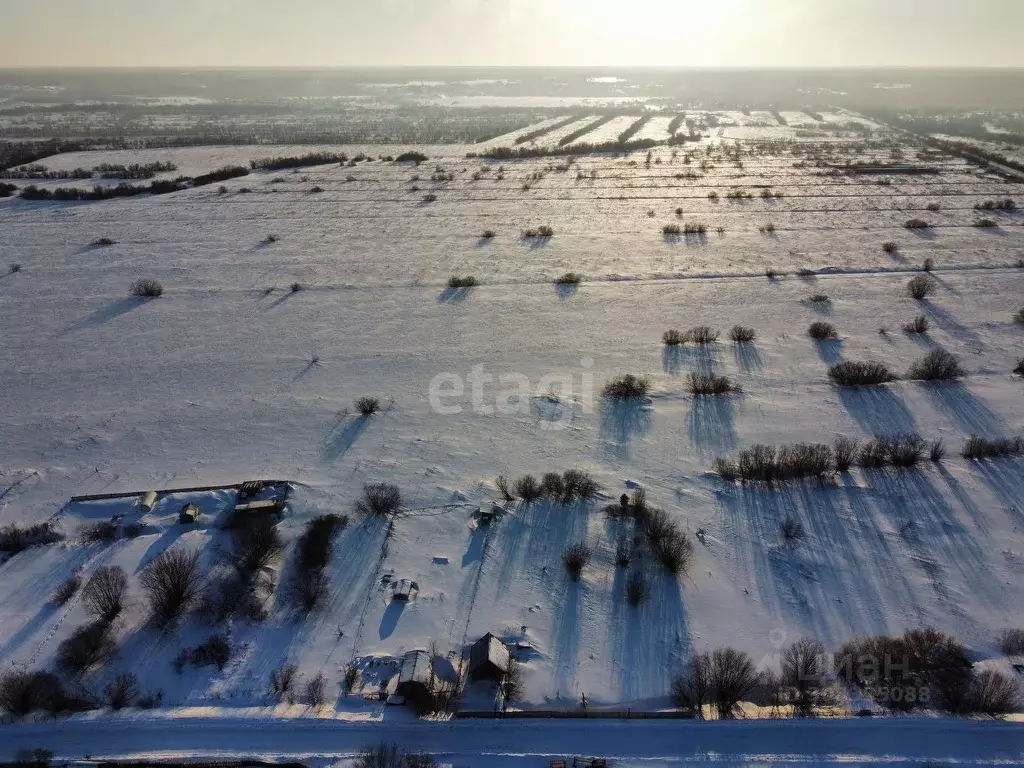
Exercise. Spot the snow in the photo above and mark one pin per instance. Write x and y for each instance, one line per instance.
(214, 383)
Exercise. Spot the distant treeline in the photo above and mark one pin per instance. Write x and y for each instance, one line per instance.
(298, 161)
(34, 171)
(593, 125)
(976, 154)
(103, 193)
(221, 174)
(134, 171)
(677, 121)
(543, 131)
(585, 148)
(159, 187)
(633, 130)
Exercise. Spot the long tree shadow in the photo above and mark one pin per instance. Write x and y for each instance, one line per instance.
(941, 542)
(621, 421)
(453, 295)
(710, 425)
(748, 358)
(829, 350)
(878, 410)
(106, 314)
(656, 638)
(565, 638)
(566, 290)
(965, 410)
(1006, 479)
(951, 325)
(341, 440)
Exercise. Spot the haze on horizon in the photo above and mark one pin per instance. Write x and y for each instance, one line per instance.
(659, 33)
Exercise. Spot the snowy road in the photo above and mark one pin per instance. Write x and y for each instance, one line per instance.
(497, 743)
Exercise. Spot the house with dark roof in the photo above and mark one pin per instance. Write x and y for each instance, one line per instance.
(489, 659)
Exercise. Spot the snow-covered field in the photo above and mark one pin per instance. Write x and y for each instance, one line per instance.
(223, 380)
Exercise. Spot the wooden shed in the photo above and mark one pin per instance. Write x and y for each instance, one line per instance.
(414, 680)
(189, 513)
(488, 659)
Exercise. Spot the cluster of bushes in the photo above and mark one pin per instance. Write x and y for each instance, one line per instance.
(676, 122)
(665, 540)
(313, 554)
(462, 281)
(25, 691)
(528, 137)
(923, 668)
(133, 171)
(916, 224)
(711, 384)
(858, 373)
(700, 334)
(627, 387)
(8, 190)
(990, 448)
(214, 652)
(900, 451)
(937, 365)
(221, 174)
(40, 172)
(298, 161)
(692, 228)
(566, 488)
(15, 538)
(773, 465)
(996, 205)
(542, 231)
(411, 157)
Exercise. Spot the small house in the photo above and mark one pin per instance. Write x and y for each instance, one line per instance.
(489, 659)
(189, 513)
(414, 680)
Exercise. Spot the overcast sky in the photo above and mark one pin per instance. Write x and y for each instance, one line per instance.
(708, 33)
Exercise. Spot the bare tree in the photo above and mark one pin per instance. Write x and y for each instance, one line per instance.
(692, 688)
(104, 593)
(86, 647)
(256, 546)
(511, 683)
(282, 680)
(806, 672)
(316, 691)
(122, 691)
(994, 693)
(172, 584)
(732, 676)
